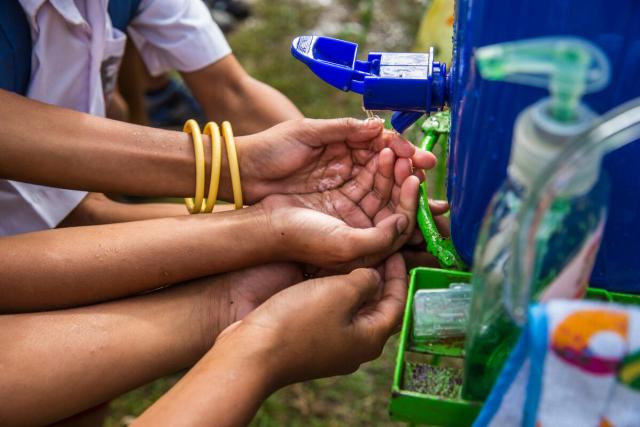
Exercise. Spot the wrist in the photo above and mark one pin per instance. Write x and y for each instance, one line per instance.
(276, 230)
(253, 357)
(250, 230)
(225, 388)
(243, 147)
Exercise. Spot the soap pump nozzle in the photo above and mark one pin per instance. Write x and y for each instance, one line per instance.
(568, 66)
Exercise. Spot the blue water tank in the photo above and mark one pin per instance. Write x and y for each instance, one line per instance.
(483, 114)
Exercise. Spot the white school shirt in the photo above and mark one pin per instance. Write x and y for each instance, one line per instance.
(75, 58)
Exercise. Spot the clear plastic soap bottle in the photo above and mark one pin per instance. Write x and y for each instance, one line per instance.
(569, 68)
(613, 130)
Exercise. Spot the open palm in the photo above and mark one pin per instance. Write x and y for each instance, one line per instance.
(313, 156)
(371, 201)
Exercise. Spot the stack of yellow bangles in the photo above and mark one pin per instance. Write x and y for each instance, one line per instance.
(199, 204)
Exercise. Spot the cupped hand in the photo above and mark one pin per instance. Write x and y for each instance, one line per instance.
(334, 232)
(309, 156)
(365, 208)
(322, 327)
(229, 297)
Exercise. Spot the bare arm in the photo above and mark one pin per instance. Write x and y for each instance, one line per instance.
(227, 92)
(86, 152)
(64, 362)
(83, 265)
(56, 364)
(98, 209)
(52, 146)
(224, 389)
(277, 344)
(48, 145)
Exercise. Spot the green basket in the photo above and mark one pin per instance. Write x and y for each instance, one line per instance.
(430, 409)
(420, 408)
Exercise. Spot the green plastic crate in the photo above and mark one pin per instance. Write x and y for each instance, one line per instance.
(421, 408)
(424, 409)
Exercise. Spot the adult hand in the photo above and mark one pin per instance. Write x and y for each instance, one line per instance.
(307, 156)
(322, 327)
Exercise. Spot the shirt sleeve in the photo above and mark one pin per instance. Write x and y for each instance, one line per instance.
(29, 207)
(177, 34)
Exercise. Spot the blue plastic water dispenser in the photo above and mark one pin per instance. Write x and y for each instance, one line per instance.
(483, 113)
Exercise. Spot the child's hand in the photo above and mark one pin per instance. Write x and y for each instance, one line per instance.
(343, 235)
(358, 224)
(309, 156)
(321, 327)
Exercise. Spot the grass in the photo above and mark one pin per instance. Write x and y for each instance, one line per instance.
(359, 399)
(262, 46)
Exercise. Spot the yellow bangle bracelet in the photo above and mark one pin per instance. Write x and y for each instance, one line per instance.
(234, 169)
(213, 131)
(194, 205)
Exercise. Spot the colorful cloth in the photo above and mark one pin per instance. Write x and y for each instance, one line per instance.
(576, 364)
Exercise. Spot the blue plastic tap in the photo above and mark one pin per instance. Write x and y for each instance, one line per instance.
(411, 84)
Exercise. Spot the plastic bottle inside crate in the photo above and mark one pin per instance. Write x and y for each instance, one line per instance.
(440, 314)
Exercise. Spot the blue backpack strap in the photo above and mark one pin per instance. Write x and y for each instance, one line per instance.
(122, 12)
(15, 48)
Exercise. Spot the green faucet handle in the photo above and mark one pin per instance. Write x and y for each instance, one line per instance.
(436, 128)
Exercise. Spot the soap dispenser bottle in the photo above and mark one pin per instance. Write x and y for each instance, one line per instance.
(569, 68)
(613, 130)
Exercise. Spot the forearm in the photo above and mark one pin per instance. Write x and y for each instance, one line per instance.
(224, 389)
(68, 149)
(56, 364)
(227, 92)
(87, 264)
(256, 106)
(117, 212)
(96, 209)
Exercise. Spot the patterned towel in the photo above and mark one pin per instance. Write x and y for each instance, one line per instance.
(577, 364)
